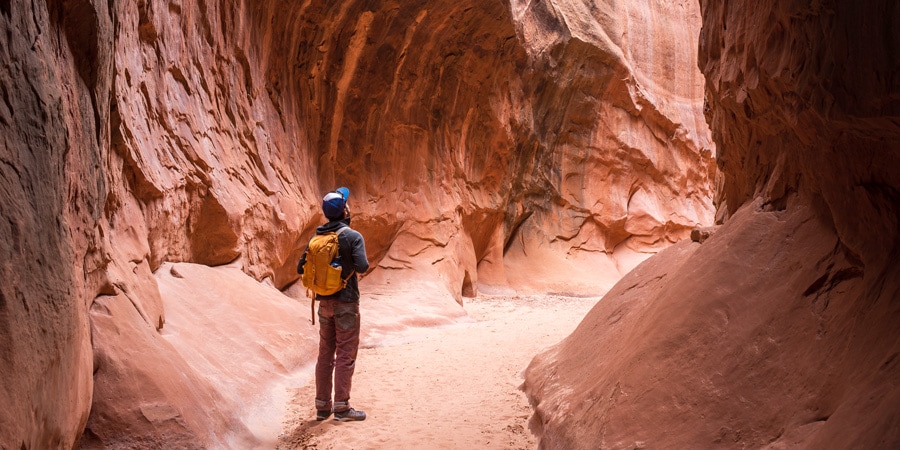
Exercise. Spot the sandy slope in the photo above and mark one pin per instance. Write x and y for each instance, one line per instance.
(450, 387)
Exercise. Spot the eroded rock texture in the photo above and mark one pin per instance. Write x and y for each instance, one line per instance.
(55, 77)
(489, 146)
(780, 330)
(626, 146)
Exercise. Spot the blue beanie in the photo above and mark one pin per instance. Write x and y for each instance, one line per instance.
(333, 203)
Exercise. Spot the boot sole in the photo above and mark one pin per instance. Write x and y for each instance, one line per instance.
(349, 419)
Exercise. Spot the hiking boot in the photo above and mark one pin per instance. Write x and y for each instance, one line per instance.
(322, 414)
(349, 415)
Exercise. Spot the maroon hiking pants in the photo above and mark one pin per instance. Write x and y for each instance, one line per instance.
(338, 345)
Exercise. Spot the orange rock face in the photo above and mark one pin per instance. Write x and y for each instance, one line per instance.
(780, 329)
(52, 194)
(628, 143)
(489, 146)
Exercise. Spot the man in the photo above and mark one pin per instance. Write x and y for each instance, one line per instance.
(339, 314)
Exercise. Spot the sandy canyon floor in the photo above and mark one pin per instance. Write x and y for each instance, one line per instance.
(450, 387)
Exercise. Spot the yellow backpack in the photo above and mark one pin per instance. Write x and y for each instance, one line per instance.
(321, 274)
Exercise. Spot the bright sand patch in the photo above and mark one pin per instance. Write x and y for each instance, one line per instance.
(449, 387)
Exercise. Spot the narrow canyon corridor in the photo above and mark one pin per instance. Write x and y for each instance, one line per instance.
(587, 223)
(451, 387)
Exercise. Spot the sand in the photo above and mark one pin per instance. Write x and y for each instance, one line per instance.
(449, 387)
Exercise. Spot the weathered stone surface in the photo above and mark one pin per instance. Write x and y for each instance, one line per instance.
(54, 76)
(626, 145)
(455, 127)
(196, 383)
(757, 337)
(144, 391)
(701, 234)
(780, 330)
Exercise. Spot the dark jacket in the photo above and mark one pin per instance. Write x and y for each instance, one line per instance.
(351, 256)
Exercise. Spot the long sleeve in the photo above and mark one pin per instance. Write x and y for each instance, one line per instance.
(360, 260)
(302, 261)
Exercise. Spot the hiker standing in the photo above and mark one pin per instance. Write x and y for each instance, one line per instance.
(338, 311)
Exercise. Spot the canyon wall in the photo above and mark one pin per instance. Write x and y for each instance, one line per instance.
(779, 330)
(55, 80)
(489, 147)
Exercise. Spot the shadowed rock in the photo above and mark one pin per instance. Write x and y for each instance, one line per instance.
(780, 330)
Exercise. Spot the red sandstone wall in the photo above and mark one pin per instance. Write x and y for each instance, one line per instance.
(780, 331)
(54, 78)
(477, 138)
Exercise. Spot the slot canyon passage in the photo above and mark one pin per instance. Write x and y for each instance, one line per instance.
(592, 224)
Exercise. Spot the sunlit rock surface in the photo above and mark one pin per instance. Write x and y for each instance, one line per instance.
(780, 329)
(489, 147)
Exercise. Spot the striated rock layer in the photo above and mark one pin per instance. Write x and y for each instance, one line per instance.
(489, 146)
(780, 330)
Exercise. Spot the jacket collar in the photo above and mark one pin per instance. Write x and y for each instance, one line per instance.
(334, 225)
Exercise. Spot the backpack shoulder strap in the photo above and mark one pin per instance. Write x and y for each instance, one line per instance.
(338, 232)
